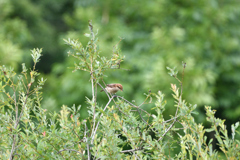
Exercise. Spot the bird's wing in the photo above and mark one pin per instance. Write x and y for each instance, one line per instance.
(110, 85)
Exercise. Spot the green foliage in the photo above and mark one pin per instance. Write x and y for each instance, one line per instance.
(89, 57)
(159, 33)
(204, 34)
(156, 33)
(121, 130)
(10, 51)
(20, 95)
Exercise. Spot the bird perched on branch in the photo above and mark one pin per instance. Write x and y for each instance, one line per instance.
(113, 88)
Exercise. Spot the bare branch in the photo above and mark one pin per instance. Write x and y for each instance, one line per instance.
(132, 150)
(167, 130)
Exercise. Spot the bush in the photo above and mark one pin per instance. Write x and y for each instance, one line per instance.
(122, 130)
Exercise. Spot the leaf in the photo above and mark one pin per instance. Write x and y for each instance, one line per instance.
(87, 35)
(209, 130)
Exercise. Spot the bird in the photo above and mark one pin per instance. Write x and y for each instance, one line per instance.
(113, 88)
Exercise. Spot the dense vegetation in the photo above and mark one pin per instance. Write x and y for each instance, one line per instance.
(153, 34)
(121, 131)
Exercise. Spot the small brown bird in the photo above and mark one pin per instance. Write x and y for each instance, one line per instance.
(113, 88)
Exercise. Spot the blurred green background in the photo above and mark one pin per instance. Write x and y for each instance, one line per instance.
(157, 33)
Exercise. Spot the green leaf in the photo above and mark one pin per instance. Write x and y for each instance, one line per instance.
(209, 129)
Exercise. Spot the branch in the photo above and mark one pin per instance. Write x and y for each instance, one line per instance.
(184, 66)
(88, 148)
(132, 150)
(104, 90)
(24, 105)
(91, 29)
(179, 100)
(138, 107)
(167, 130)
(94, 132)
(93, 128)
(94, 99)
(16, 124)
(15, 99)
(130, 104)
(110, 98)
(135, 106)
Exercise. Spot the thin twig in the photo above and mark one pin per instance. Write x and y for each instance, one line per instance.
(110, 97)
(140, 112)
(166, 131)
(15, 100)
(97, 150)
(184, 66)
(145, 100)
(94, 99)
(88, 148)
(175, 119)
(104, 89)
(34, 148)
(135, 106)
(138, 107)
(94, 132)
(132, 150)
(95, 128)
(16, 125)
(180, 100)
(136, 156)
(170, 119)
(24, 105)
